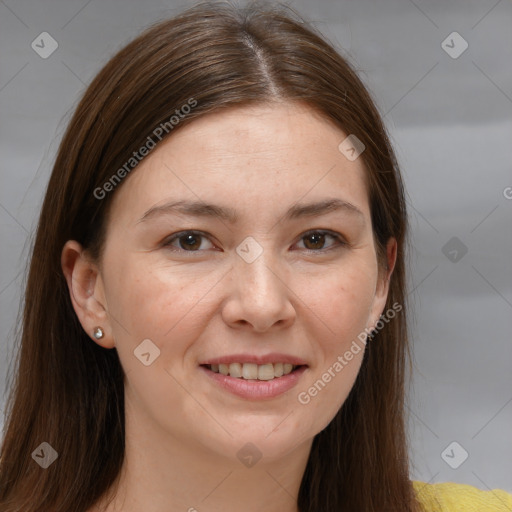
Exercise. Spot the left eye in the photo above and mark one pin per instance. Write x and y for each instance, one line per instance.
(316, 238)
(190, 241)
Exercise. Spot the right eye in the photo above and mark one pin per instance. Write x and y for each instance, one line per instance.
(187, 241)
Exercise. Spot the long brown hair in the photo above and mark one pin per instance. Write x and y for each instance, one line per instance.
(68, 391)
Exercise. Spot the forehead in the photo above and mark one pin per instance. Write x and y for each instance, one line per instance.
(248, 158)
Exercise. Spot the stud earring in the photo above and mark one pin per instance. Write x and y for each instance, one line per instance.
(98, 333)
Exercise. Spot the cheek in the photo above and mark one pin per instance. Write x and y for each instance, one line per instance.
(164, 305)
(169, 307)
(342, 299)
(343, 305)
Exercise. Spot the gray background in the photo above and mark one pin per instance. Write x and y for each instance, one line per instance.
(451, 122)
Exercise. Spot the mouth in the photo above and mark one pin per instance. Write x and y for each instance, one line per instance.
(252, 381)
(253, 371)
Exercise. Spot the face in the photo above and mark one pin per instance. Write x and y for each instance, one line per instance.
(260, 276)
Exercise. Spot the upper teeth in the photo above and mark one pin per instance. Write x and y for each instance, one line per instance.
(252, 370)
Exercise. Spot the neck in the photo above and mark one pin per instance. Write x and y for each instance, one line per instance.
(163, 474)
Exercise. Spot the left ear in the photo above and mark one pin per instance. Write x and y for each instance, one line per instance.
(381, 292)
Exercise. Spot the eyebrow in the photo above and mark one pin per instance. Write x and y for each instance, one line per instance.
(201, 209)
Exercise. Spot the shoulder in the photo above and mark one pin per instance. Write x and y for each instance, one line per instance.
(452, 497)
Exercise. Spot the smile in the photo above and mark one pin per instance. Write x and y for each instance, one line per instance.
(252, 381)
(253, 371)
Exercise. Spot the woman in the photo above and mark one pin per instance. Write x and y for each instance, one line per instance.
(215, 311)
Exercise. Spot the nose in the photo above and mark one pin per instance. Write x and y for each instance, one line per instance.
(259, 295)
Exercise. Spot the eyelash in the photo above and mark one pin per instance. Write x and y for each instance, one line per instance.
(341, 242)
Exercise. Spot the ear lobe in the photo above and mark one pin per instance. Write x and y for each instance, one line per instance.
(86, 292)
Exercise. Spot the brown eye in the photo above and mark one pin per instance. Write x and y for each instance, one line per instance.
(189, 241)
(315, 240)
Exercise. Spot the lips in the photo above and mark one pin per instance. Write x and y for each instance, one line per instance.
(255, 389)
(255, 376)
(259, 359)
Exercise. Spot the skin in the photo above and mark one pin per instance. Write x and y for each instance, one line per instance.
(182, 431)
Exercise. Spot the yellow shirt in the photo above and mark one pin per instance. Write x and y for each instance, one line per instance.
(452, 497)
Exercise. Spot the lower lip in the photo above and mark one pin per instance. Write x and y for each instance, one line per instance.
(256, 389)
